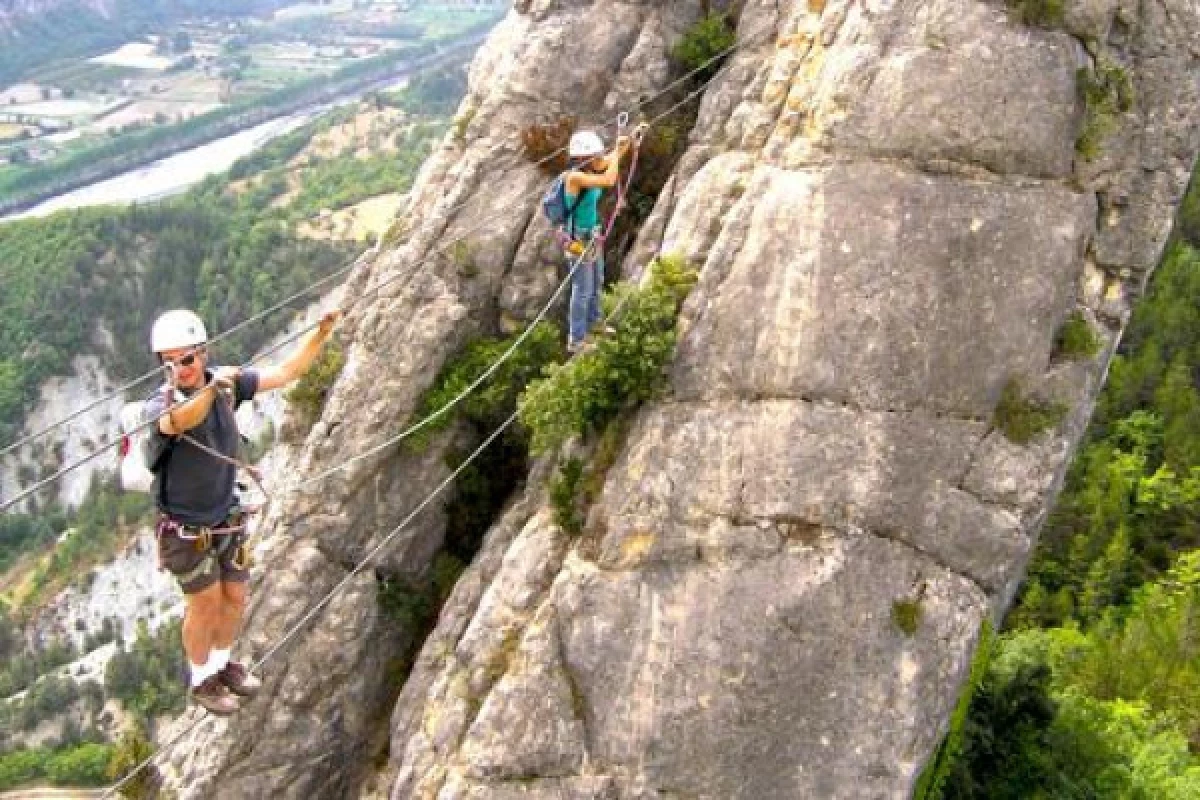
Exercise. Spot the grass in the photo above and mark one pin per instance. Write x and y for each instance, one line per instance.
(564, 496)
(906, 615)
(933, 777)
(308, 396)
(1075, 339)
(1021, 418)
(577, 485)
(1107, 91)
(1042, 13)
(461, 123)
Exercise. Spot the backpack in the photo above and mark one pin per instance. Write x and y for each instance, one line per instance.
(135, 473)
(555, 206)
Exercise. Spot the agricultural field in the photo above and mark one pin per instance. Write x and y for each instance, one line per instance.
(59, 113)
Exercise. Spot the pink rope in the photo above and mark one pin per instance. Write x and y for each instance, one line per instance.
(622, 188)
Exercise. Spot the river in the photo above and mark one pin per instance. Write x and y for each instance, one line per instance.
(173, 174)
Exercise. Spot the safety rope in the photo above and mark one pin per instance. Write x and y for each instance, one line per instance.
(251, 470)
(395, 531)
(443, 248)
(294, 629)
(38, 486)
(491, 370)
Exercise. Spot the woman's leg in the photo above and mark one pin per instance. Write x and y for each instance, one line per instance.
(583, 289)
(595, 314)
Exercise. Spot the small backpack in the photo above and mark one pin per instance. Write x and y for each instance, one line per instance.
(557, 208)
(135, 473)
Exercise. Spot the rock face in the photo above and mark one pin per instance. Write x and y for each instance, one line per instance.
(891, 224)
(58, 397)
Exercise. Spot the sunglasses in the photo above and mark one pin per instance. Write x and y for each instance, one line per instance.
(185, 360)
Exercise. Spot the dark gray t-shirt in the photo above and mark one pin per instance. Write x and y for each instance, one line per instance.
(191, 486)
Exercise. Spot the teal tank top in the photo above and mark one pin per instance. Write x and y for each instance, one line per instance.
(587, 213)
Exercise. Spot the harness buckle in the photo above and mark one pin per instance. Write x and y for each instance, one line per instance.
(203, 538)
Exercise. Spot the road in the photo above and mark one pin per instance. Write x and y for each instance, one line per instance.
(52, 794)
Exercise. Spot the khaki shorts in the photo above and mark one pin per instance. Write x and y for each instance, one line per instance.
(197, 562)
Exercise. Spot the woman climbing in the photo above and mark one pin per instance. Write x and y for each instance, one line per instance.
(591, 171)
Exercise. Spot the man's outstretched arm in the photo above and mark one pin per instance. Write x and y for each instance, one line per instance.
(301, 360)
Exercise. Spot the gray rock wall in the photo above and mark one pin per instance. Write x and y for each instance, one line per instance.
(891, 222)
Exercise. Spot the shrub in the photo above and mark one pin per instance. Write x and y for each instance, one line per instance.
(548, 141)
(1189, 218)
(446, 571)
(622, 370)
(409, 605)
(495, 399)
(308, 396)
(1075, 339)
(134, 748)
(146, 677)
(703, 42)
(564, 491)
(1021, 418)
(1106, 91)
(78, 764)
(1043, 13)
(482, 488)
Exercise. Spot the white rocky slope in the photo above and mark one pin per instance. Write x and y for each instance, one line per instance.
(60, 397)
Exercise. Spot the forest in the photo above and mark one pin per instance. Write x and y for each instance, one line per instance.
(78, 277)
(1092, 690)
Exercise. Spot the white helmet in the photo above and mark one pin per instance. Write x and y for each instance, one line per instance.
(585, 144)
(176, 330)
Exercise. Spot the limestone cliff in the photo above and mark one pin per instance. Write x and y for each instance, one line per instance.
(892, 222)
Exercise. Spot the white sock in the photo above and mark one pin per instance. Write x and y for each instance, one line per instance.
(200, 672)
(217, 659)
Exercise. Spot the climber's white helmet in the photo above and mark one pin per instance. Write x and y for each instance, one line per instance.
(177, 329)
(585, 144)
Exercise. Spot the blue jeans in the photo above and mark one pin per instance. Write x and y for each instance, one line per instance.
(584, 310)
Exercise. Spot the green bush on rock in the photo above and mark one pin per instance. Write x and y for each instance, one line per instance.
(1021, 418)
(621, 371)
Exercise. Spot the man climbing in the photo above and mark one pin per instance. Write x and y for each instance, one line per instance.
(591, 171)
(201, 532)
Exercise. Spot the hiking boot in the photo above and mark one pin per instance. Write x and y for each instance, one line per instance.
(237, 679)
(213, 696)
